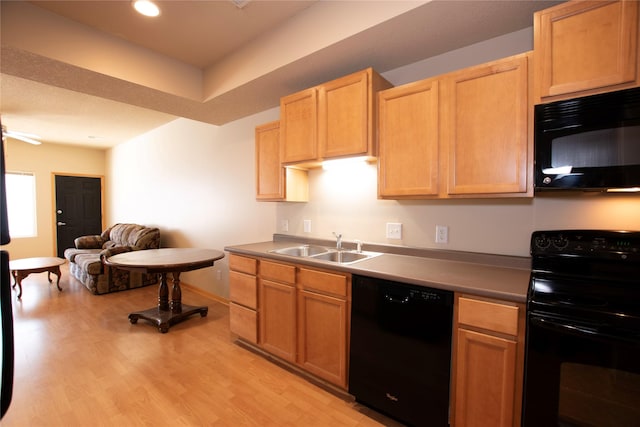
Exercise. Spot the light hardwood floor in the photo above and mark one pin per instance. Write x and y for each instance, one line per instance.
(80, 362)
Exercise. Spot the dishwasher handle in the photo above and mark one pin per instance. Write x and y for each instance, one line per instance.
(393, 299)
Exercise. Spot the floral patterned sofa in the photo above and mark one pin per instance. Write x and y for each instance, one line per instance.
(86, 259)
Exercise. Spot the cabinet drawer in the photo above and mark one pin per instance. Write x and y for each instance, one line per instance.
(243, 264)
(489, 315)
(243, 289)
(243, 322)
(279, 272)
(336, 284)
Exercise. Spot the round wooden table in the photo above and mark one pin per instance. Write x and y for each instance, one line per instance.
(21, 268)
(163, 261)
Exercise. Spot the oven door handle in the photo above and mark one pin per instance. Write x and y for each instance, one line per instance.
(582, 328)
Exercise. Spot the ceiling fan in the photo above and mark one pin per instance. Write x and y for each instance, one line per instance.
(22, 136)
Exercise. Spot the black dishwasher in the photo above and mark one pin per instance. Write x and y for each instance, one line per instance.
(400, 354)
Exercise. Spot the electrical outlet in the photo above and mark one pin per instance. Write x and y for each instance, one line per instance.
(285, 225)
(394, 230)
(307, 225)
(442, 234)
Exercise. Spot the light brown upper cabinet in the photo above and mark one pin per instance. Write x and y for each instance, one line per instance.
(462, 134)
(485, 111)
(273, 181)
(298, 126)
(409, 140)
(335, 119)
(586, 47)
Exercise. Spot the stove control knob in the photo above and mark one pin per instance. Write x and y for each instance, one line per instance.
(560, 242)
(542, 242)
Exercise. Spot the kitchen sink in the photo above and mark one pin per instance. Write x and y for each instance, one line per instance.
(322, 253)
(345, 257)
(301, 250)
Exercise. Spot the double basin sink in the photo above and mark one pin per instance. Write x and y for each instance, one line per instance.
(323, 253)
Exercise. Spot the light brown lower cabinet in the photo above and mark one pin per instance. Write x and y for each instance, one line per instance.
(323, 324)
(488, 362)
(278, 309)
(302, 314)
(243, 296)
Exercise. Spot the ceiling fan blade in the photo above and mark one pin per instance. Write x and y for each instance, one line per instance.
(26, 137)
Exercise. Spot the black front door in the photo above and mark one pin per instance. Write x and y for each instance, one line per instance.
(78, 209)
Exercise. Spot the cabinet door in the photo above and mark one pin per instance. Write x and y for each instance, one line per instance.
(243, 322)
(278, 319)
(408, 141)
(343, 124)
(270, 174)
(298, 127)
(485, 128)
(322, 336)
(485, 383)
(582, 46)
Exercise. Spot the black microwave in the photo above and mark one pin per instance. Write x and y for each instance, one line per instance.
(590, 143)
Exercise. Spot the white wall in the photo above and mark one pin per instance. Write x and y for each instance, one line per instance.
(196, 182)
(489, 50)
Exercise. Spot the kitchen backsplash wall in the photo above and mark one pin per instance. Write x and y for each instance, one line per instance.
(345, 201)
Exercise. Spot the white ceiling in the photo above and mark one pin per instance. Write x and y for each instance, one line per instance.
(72, 104)
(183, 27)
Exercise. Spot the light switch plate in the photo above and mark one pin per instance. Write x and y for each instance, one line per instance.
(307, 225)
(394, 230)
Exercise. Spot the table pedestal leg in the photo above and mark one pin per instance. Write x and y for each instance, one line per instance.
(165, 314)
(163, 293)
(176, 294)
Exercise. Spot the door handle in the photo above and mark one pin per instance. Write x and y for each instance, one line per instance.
(62, 223)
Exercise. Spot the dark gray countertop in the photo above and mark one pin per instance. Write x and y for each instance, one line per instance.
(494, 276)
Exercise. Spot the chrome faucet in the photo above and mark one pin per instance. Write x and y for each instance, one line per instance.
(338, 240)
(358, 246)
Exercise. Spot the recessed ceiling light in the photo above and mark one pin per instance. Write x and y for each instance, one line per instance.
(146, 7)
